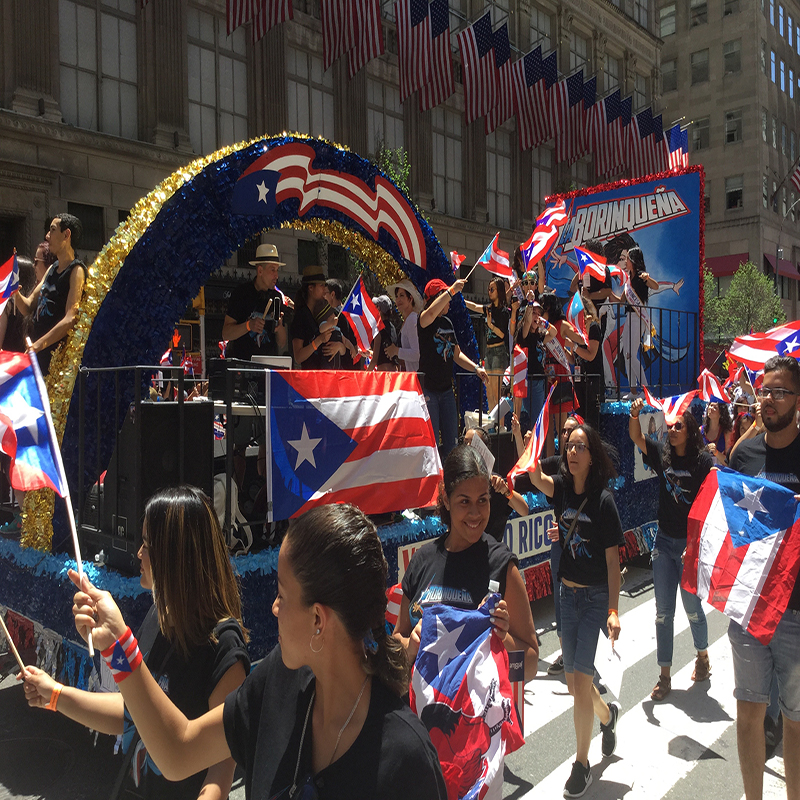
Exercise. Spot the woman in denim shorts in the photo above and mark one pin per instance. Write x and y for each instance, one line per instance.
(590, 534)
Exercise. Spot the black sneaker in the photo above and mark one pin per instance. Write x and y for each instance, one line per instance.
(773, 734)
(579, 781)
(557, 667)
(610, 731)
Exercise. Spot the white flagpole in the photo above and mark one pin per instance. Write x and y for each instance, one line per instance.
(59, 466)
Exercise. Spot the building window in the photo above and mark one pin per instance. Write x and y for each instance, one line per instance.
(775, 133)
(763, 56)
(789, 30)
(217, 82)
(707, 201)
(772, 12)
(733, 126)
(699, 66)
(578, 52)
(791, 84)
(669, 75)
(698, 12)
(783, 202)
(384, 116)
(780, 20)
(701, 138)
(540, 28)
(783, 139)
(774, 196)
(640, 12)
(98, 71)
(91, 217)
(666, 20)
(765, 191)
(580, 174)
(733, 192)
(732, 56)
(447, 168)
(498, 177)
(613, 69)
(309, 94)
(542, 158)
(764, 124)
(797, 39)
(772, 65)
(640, 93)
(783, 75)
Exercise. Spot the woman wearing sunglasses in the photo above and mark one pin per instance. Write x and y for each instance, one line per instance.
(321, 716)
(590, 534)
(682, 465)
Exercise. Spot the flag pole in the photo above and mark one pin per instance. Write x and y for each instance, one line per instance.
(13, 646)
(472, 270)
(60, 466)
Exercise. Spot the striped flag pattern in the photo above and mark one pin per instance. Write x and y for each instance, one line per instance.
(595, 264)
(566, 108)
(673, 407)
(505, 98)
(268, 14)
(678, 144)
(530, 456)
(364, 318)
(626, 123)
(441, 84)
(9, 280)
(795, 179)
(413, 45)
(576, 316)
(365, 18)
(520, 371)
(526, 73)
(754, 350)
(544, 234)
(479, 68)
(711, 390)
(338, 35)
(238, 12)
(589, 103)
(495, 260)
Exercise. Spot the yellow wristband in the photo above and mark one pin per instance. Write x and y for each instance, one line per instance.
(55, 694)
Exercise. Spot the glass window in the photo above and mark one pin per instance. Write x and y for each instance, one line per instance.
(498, 177)
(447, 166)
(579, 172)
(98, 69)
(772, 65)
(700, 66)
(733, 126)
(783, 202)
(774, 196)
(698, 12)
(666, 20)
(797, 39)
(640, 93)
(217, 82)
(763, 56)
(789, 29)
(578, 52)
(783, 75)
(791, 83)
(92, 219)
(771, 12)
(541, 23)
(613, 70)
(764, 124)
(780, 20)
(730, 7)
(732, 56)
(384, 116)
(764, 191)
(701, 138)
(775, 133)
(669, 75)
(542, 158)
(309, 94)
(640, 12)
(733, 192)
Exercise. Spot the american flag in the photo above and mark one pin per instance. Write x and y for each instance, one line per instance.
(479, 68)
(544, 234)
(604, 130)
(413, 45)
(591, 261)
(441, 84)
(363, 316)
(678, 143)
(520, 366)
(795, 179)
(754, 350)
(238, 12)
(625, 127)
(365, 17)
(638, 133)
(566, 102)
(268, 14)
(711, 390)
(505, 100)
(338, 32)
(589, 103)
(530, 456)
(495, 260)
(673, 407)
(526, 73)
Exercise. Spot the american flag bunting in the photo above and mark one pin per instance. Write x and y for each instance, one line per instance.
(479, 68)
(413, 45)
(365, 18)
(441, 84)
(566, 108)
(505, 98)
(268, 14)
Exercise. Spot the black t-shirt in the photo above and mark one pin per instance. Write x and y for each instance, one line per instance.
(247, 302)
(550, 465)
(678, 486)
(188, 682)
(583, 561)
(305, 327)
(595, 366)
(437, 344)
(500, 318)
(392, 757)
(533, 343)
(639, 285)
(754, 457)
(457, 579)
(596, 285)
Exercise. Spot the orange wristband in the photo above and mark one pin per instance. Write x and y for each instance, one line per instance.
(56, 693)
(247, 324)
(612, 611)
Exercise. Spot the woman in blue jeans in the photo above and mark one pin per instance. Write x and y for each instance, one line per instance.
(682, 464)
(590, 534)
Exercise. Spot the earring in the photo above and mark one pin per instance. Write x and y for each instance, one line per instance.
(311, 643)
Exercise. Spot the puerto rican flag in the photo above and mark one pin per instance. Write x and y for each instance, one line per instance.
(495, 260)
(532, 453)
(595, 264)
(394, 598)
(754, 350)
(743, 549)
(617, 273)
(26, 434)
(673, 407)
(363, 316)
(711, 390)
(9, 280)
(520, 371)
(461, 691)
(456, 260)
(545, 233)
(349, 437)
(576, 316)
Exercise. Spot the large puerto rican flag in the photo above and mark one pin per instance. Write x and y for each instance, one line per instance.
(349, 437)
(544, 234)
(461, 691)
(754, 350)
(743, 549)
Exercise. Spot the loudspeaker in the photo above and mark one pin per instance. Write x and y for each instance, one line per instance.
(147, 458)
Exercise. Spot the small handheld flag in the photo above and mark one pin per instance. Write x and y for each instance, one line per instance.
(530, 456)
(595, 264)
(456, 260)
(545, 234)
(576, 316)
(711, 390)
(495, 260)
(673, 407)
(363, 316)
(9, 280)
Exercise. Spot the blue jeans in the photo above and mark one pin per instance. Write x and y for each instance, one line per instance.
(584, 613)
(534, 402)
(444, 418)
(555, 560)
(667, 571)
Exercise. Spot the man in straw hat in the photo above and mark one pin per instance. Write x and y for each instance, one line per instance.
(254, 321)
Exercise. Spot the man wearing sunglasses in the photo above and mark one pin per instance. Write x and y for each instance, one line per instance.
(775, 455)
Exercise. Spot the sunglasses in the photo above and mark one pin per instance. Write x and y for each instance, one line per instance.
(676, 426)
(578, 447)
(529, 283)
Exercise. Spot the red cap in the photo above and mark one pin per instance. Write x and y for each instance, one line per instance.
(432, 288)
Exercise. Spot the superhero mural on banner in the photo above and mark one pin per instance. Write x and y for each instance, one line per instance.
(657, 342)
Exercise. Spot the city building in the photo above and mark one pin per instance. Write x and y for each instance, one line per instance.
(731, 68)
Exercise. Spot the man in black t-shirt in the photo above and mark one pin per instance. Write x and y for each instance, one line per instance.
(774, 455)
(249, 328)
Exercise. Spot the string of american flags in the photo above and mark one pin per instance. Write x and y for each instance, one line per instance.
(566, 111)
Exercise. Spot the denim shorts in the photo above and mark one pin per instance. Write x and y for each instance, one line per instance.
(496, 358)
(754, 664)
(584, 613)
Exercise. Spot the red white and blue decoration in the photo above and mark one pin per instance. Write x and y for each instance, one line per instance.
(349, 437)
(363, 316)
(533, 452)
(576, 316)
(755, 349)
(591, 262)
(9, 280)
(743, 549)
(495, 260)
(711, 390)
(520, 365)
(544, 234)
(674, 406)
(461, 691)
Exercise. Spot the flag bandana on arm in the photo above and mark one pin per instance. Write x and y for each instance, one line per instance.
(743, 549)
(532, 453)
(544, 233)
(754, 350)
(461, 691)
(673, 407)
(363, 316)
(9, 280)
(711, 390)
(596, 265)
(349, 437)
(495, 260)
(520, 371)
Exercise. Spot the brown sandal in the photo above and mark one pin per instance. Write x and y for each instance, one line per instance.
(702, 668)
(662, 688)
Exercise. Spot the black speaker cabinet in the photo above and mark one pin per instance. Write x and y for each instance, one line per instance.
(148, 457)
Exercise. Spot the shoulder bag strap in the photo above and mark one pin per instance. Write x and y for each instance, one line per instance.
(573, 524)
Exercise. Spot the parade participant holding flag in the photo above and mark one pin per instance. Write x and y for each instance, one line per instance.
(681, 465)
(533, 334)
(590, 534)
(322, 714)
(774, 455)
(590, 361)
(409, 303)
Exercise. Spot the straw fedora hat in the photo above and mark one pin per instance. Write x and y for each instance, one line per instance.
(407, 286)
(267, 254)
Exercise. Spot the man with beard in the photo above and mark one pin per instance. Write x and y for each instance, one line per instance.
(774, 455)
